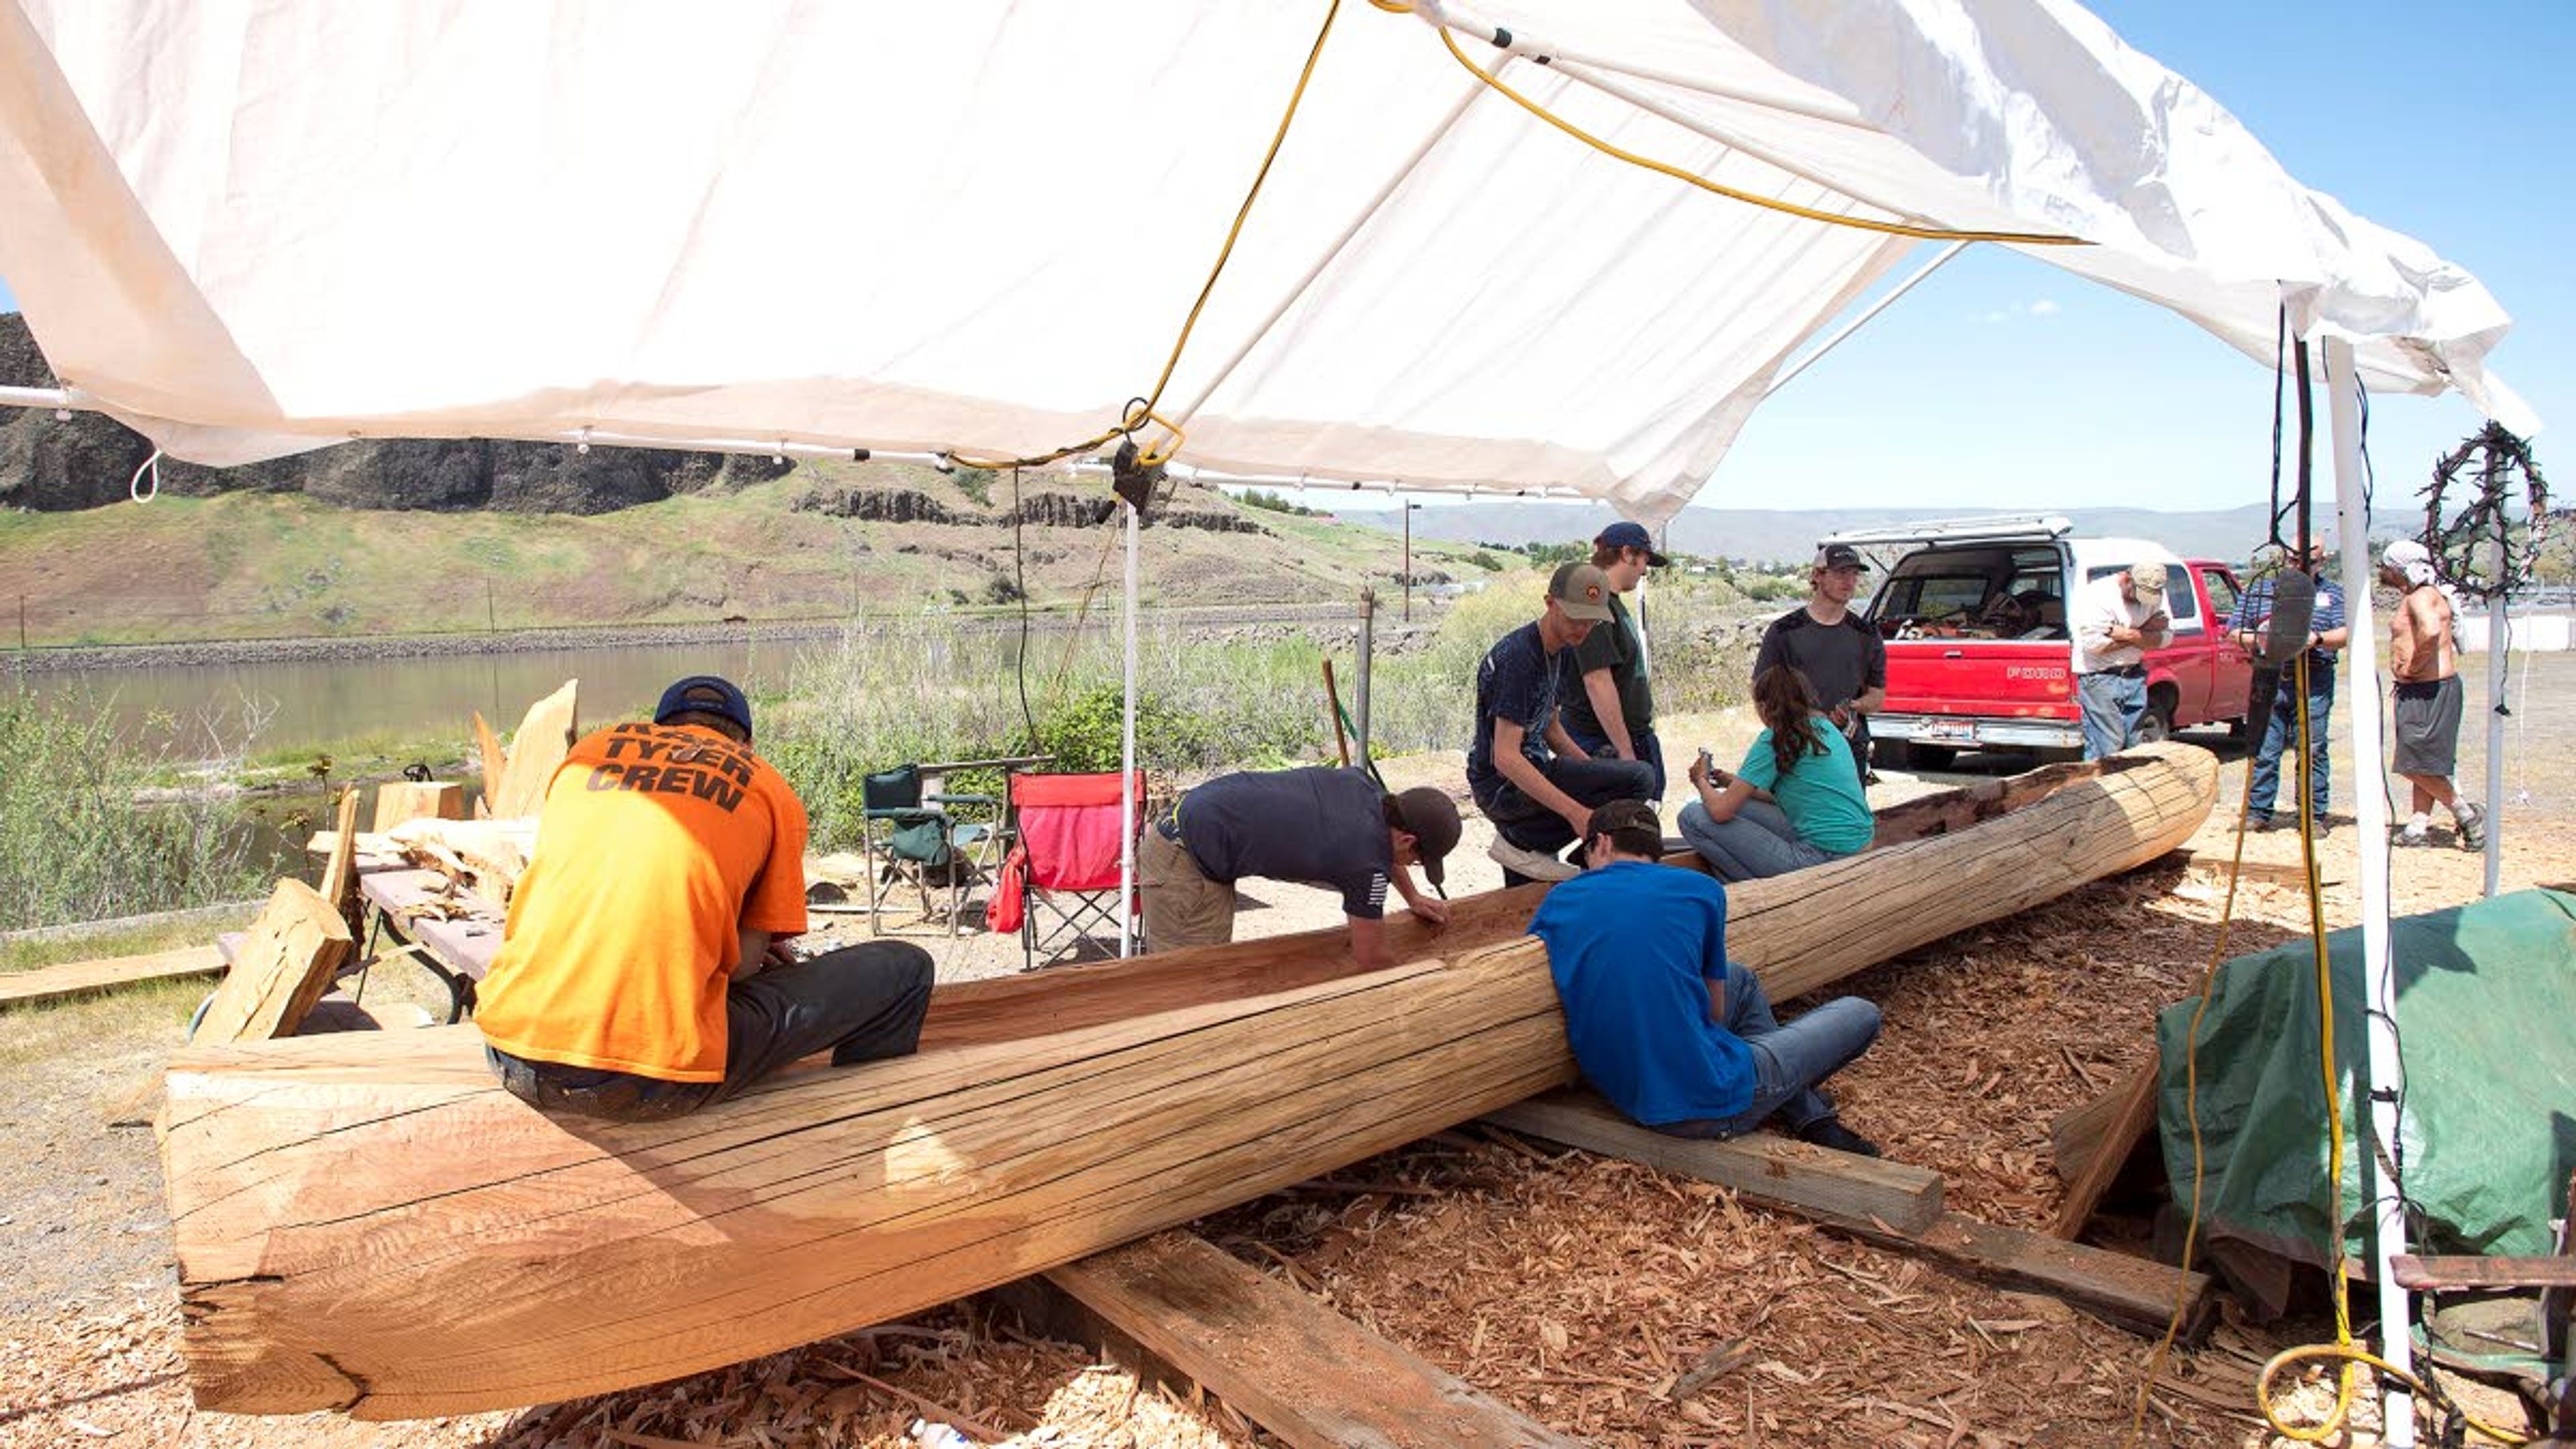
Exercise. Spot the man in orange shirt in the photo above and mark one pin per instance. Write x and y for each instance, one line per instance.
(643, 973)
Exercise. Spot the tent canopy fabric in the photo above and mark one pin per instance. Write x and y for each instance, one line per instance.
(977, 227)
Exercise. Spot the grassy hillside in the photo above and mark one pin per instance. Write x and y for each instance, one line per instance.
(255, 565)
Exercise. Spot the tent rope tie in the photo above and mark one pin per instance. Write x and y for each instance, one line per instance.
(1142, 411)
(151, 468)
(1502, 39)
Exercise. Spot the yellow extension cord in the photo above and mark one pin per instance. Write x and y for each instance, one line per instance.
(1767, 203)
(2343, 1350)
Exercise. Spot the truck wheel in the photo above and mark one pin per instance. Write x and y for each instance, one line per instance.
(2157, 723)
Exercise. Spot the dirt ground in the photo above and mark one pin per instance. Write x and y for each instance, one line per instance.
(1574, 1288)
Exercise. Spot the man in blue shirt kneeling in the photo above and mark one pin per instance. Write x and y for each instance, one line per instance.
(1675, 1035)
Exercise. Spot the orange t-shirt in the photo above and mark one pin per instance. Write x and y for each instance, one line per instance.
(656, 846)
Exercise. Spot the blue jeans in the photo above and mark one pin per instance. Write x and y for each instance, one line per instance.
(2281, 733)
(1650, 751)
(1532, 826)
(864, 1002)
(1757, 843)
(1788, 1061)
(2112, 706)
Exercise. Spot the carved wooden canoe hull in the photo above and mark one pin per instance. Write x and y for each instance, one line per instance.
(366, 1222)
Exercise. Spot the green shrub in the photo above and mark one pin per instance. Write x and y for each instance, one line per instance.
(975, 483)
(75, 843)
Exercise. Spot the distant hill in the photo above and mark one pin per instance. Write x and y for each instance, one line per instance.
(1776, 535)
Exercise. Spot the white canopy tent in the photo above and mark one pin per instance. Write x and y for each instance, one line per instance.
(976, 228)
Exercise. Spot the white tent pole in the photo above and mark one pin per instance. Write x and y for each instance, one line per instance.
(2370, 811)
(1287, 299)
(1881, 305)
(1127, 801)
(36, 397)
(2499, 667)
(1831, 108)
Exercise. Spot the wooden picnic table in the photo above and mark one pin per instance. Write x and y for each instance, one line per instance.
(456, 939)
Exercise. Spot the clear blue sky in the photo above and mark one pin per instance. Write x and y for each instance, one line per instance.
(2003, 382)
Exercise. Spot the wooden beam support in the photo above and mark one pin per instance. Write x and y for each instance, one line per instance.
(1833, 1188)
(1305, 1373)
(1776, 1170)
(2133, 1112)
(81, 978)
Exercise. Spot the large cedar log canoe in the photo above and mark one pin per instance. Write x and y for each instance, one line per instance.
(366, 1222)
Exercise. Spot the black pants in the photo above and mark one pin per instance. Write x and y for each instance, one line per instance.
(1532, 826)
(863, 1002)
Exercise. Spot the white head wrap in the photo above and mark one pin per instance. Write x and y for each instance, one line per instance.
(2411, 559)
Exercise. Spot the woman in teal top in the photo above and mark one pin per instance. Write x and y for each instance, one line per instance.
(1795, 802)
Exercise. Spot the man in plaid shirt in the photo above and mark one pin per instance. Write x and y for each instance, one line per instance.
(2327, 631)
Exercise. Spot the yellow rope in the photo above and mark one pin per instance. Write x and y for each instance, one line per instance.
(1141, 411)
(2191, 1113)
(1767, 203)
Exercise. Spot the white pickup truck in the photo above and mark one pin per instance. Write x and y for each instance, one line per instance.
(1981, 653)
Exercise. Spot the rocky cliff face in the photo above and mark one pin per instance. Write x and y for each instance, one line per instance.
(87, 460)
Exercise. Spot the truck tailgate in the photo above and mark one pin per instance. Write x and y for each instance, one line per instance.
(1988, 678)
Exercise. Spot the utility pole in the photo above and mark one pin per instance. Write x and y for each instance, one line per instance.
(1408, 561)
(491, 615)
(22, 623)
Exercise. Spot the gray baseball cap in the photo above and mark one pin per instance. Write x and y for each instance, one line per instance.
(1582, 591)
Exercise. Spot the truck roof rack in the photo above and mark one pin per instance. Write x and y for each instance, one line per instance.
(1950, 530)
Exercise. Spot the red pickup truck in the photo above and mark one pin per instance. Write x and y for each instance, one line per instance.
(1981, 653)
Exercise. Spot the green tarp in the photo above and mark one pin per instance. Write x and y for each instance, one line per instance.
(2487, 1025)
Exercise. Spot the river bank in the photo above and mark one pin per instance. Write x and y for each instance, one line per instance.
(85, 658)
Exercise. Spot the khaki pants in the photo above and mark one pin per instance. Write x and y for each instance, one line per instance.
(1182, 906)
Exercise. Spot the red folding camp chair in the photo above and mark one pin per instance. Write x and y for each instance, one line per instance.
(1067, 860)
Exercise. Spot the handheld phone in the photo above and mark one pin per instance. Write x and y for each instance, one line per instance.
(1707, 766)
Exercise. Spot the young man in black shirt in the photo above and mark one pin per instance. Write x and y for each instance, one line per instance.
(1530, 777)
(1613, 715)
(1842, 656)
(1324, 827)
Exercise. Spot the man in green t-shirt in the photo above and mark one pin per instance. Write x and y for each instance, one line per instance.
(1613, 717)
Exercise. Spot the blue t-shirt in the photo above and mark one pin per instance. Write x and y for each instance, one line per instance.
(2254, 611)
(1822, 795)
(1520, 682)
(1631, 946)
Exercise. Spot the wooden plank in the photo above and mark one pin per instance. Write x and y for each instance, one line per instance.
(81, 978)
(545, 736)
(496, 762)
(286, 962)
(2421, 1273)
(401, 800)
(2135, 1293)
(1775, 1169)
(2075, 1134)
(340, 868)
(2131, 1292)
(1300, 1370)
(2133, 1114)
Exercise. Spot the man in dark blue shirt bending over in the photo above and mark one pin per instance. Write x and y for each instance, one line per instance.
(1674, 1034)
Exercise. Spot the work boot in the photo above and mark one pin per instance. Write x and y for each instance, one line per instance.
(2473, 827)
(1830, 1132)
(2264, 822)
(1535, 865)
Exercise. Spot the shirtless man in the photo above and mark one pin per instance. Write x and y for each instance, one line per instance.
(2428, 694)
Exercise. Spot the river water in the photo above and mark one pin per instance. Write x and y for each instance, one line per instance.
(317, 703)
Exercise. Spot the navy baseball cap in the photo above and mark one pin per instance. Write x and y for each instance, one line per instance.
(1632, 535)
(705, 694)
